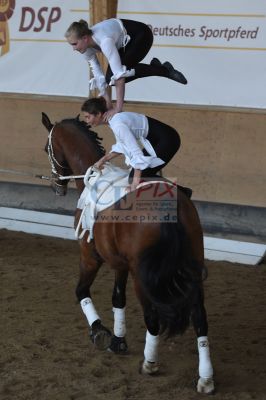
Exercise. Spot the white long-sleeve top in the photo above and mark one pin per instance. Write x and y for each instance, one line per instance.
(109, 35)
(131, 130)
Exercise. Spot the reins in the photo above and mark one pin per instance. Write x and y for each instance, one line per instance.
(45, 177)
(14, 172)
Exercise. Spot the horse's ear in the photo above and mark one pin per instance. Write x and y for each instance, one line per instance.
(46, 121)
(77, 117)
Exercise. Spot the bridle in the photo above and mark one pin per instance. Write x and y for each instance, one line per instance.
(54, 163)
(57, 177)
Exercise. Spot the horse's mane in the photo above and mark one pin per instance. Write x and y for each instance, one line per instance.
(85, 129)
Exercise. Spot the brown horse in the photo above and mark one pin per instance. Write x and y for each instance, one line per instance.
(165, 259)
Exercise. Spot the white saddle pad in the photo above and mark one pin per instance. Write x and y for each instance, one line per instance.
(102, 189)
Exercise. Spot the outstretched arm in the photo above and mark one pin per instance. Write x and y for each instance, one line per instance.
(120, 72)
(98, 79)
(100, 163)
(120, 94)
(135, 181)
(109, 104)
(118, 107)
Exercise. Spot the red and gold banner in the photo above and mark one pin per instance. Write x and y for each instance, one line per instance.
(35, 57)
(6, 10)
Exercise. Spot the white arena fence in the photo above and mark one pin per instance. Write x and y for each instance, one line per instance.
(61, 226)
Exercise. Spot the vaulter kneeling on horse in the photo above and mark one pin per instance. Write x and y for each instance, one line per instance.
(147, 144)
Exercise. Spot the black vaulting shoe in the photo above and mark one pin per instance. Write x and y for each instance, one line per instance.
(156, 62)
(174, 74)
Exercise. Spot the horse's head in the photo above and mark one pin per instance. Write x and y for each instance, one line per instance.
(72, 148)
(58, 163)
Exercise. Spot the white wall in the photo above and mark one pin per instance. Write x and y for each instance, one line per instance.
(220, 46)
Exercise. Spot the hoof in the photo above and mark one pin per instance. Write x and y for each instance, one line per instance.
(205, 385)
(118, 345)
(149, 368)
(100, 336)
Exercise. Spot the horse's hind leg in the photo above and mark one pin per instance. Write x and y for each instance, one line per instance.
(90, 263)
(118, 343)
(199, 319)
(150, 364)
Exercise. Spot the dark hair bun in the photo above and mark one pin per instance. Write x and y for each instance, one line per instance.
(83, 22)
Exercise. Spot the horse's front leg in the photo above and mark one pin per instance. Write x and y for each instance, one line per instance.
(90, 263)
(118, 343)
(199, 319)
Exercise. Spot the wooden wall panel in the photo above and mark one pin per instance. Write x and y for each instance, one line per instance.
(222, 155)
(99, 11)
(102, 9)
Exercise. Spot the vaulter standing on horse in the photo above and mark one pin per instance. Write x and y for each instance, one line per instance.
(134, 131)
(124, 43)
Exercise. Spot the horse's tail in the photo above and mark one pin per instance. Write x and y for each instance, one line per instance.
(171, 278)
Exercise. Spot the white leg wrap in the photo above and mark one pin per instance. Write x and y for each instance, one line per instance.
(205, 365)
(89, 310)
(151, 347)
(119, 321)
